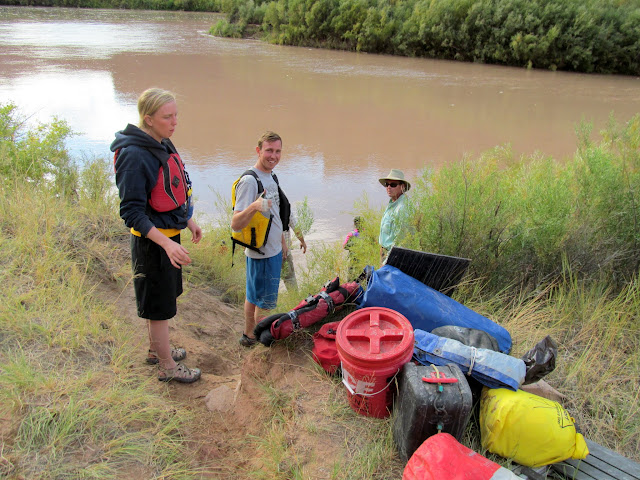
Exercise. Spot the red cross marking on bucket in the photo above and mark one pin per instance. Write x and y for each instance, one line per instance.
(375, 334)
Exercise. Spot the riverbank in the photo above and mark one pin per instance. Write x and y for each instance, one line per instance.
(78, 396)
(77, 399)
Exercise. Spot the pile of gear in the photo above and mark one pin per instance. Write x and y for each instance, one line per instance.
(410, 348)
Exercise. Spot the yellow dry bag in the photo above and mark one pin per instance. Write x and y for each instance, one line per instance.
(529, 429)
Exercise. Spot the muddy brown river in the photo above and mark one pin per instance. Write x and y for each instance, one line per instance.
(345, 118)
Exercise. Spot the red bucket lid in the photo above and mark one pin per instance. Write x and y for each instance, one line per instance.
(375, 335)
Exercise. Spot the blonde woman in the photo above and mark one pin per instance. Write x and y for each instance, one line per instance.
(155, 204)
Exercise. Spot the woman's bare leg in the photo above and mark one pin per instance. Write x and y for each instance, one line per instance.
(159, 342)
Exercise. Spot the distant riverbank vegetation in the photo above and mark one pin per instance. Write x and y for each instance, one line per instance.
(175, 5)
(593, 36)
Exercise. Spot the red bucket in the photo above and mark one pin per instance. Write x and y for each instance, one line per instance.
(373, 345)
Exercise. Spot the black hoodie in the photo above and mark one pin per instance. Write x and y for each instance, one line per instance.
(137, 167)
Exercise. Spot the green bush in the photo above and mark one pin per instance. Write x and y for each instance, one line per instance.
(608, 182)
(520, 219)
(225, 29)
(36, 155)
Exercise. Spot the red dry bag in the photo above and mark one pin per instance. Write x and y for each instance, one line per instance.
(325, 351)
(442, 457)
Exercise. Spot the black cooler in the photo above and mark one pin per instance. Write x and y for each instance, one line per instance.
(441, 403)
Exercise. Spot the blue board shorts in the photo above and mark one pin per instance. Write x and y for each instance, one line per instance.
(263, 280)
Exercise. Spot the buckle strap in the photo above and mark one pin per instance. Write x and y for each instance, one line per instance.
(330, 303)
(295, 321)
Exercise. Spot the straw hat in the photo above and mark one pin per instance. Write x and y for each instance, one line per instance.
(395, 174)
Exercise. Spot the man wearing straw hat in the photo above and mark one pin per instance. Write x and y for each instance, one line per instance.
(394, 219)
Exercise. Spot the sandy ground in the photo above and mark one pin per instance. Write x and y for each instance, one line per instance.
(229, 401)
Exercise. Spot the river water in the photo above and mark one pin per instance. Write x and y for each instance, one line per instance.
(345, 118)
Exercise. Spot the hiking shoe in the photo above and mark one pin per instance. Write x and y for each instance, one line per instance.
(180, 374)
(247, 341)
(177, 354)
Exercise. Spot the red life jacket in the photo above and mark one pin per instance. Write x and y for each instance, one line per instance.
(172, 185)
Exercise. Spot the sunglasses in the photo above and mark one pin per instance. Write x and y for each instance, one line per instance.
(391, 184)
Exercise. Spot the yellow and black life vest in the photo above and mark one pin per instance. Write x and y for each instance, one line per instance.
(255, 234)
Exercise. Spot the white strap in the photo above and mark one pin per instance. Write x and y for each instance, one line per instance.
(474, 352)
(353, 392)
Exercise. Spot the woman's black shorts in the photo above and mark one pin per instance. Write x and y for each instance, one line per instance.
(156, 282)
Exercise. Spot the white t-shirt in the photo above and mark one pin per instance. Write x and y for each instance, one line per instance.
(247, 193)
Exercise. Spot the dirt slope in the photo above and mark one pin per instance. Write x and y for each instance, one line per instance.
(280, 382)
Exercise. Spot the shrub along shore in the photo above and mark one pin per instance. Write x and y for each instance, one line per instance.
(594, 36)
(554, 248)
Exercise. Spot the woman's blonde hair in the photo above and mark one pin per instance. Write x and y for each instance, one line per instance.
(151, 100)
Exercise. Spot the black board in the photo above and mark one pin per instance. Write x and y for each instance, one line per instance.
(440, 272)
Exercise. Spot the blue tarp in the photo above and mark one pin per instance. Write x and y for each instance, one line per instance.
(425, 307)
(493, 369)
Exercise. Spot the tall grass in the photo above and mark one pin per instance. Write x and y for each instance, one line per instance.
(78, 408)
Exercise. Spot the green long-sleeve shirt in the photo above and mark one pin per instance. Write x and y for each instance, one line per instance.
(394, 221)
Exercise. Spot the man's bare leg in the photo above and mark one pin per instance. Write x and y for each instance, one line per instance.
(260, 314)
(250, 311)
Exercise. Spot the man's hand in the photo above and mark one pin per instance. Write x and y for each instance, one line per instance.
(242, 218)
(303, 244)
